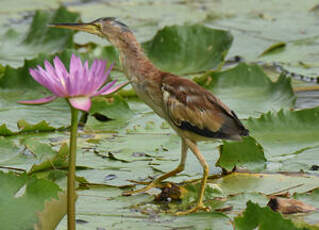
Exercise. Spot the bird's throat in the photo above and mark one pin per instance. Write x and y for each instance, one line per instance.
(132, 58)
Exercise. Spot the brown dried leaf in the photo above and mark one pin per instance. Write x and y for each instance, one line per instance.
(289, 206)
(224, 209)
(53, 212)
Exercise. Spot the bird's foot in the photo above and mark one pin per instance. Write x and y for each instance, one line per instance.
(198, 207)
(144, 189)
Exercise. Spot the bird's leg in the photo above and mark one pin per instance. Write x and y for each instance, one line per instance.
(178, 169)
(199, 205)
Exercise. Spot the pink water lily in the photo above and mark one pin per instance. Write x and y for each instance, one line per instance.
(77, 86)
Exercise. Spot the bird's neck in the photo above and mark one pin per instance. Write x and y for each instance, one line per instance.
(132, 57)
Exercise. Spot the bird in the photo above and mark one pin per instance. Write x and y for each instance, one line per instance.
(193, 112)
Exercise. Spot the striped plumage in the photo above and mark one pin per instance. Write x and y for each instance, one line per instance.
(192, 111)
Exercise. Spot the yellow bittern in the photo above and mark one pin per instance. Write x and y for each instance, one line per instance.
(192, 111)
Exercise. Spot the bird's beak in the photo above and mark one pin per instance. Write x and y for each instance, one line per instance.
(86, 27)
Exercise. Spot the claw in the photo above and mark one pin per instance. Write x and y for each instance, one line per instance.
(198, 207)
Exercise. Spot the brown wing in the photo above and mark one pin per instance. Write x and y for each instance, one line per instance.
(195, 109)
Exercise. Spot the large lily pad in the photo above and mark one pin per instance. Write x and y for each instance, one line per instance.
(248, 91)
(257, 26)
(117, 212)
(246, 153)
(263, 218)
(32, 153)
(143, 17)
(312, 198)
(188, 49)
(15, 47)
(287, 135)
(24, 197)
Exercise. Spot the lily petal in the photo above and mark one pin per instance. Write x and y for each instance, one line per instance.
(75, 65)
(39, 101)
(60, 70)
(105, 88)
(112, 90)
(81, 103)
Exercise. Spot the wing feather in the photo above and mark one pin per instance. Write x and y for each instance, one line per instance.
(193, 108)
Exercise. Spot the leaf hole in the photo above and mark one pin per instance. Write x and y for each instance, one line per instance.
(20, 192)
(101, 117)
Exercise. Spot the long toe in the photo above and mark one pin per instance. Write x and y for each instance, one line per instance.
(199, 207)
(144, 189)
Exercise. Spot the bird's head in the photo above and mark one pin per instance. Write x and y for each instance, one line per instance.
(107, 27)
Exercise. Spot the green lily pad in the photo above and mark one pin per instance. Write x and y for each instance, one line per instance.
(144, 18)
(106, 208)
(59, 160)
(287, 135)
(33, 153)
(25, 197)
(246, 153)
(257, 27)
(188, 49)
(264, 183)
(39, 38)
(311, 198)
(263, 218)
(108, 114)
(248, 91)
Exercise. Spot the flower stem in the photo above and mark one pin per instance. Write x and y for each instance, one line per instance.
(71, 176)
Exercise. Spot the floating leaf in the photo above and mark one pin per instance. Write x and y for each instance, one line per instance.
(58, 160)
(4, 131)
(108, 114)
(38, 39)
(113, 108)
(263, 218)
(288, 136)
(188, 49)
(249, 91)
(32, 154)
(106, 207)
(23, 197)
(53, 212)
(27, 127)
(247, 153)
(264, 183)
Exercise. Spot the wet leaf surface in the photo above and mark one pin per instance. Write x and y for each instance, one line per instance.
(15, 46)
(248, 91)
(263, 218)
(23, 197)
(188, 49)
(246, 153)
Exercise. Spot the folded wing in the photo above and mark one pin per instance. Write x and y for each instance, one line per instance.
(193, 108)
